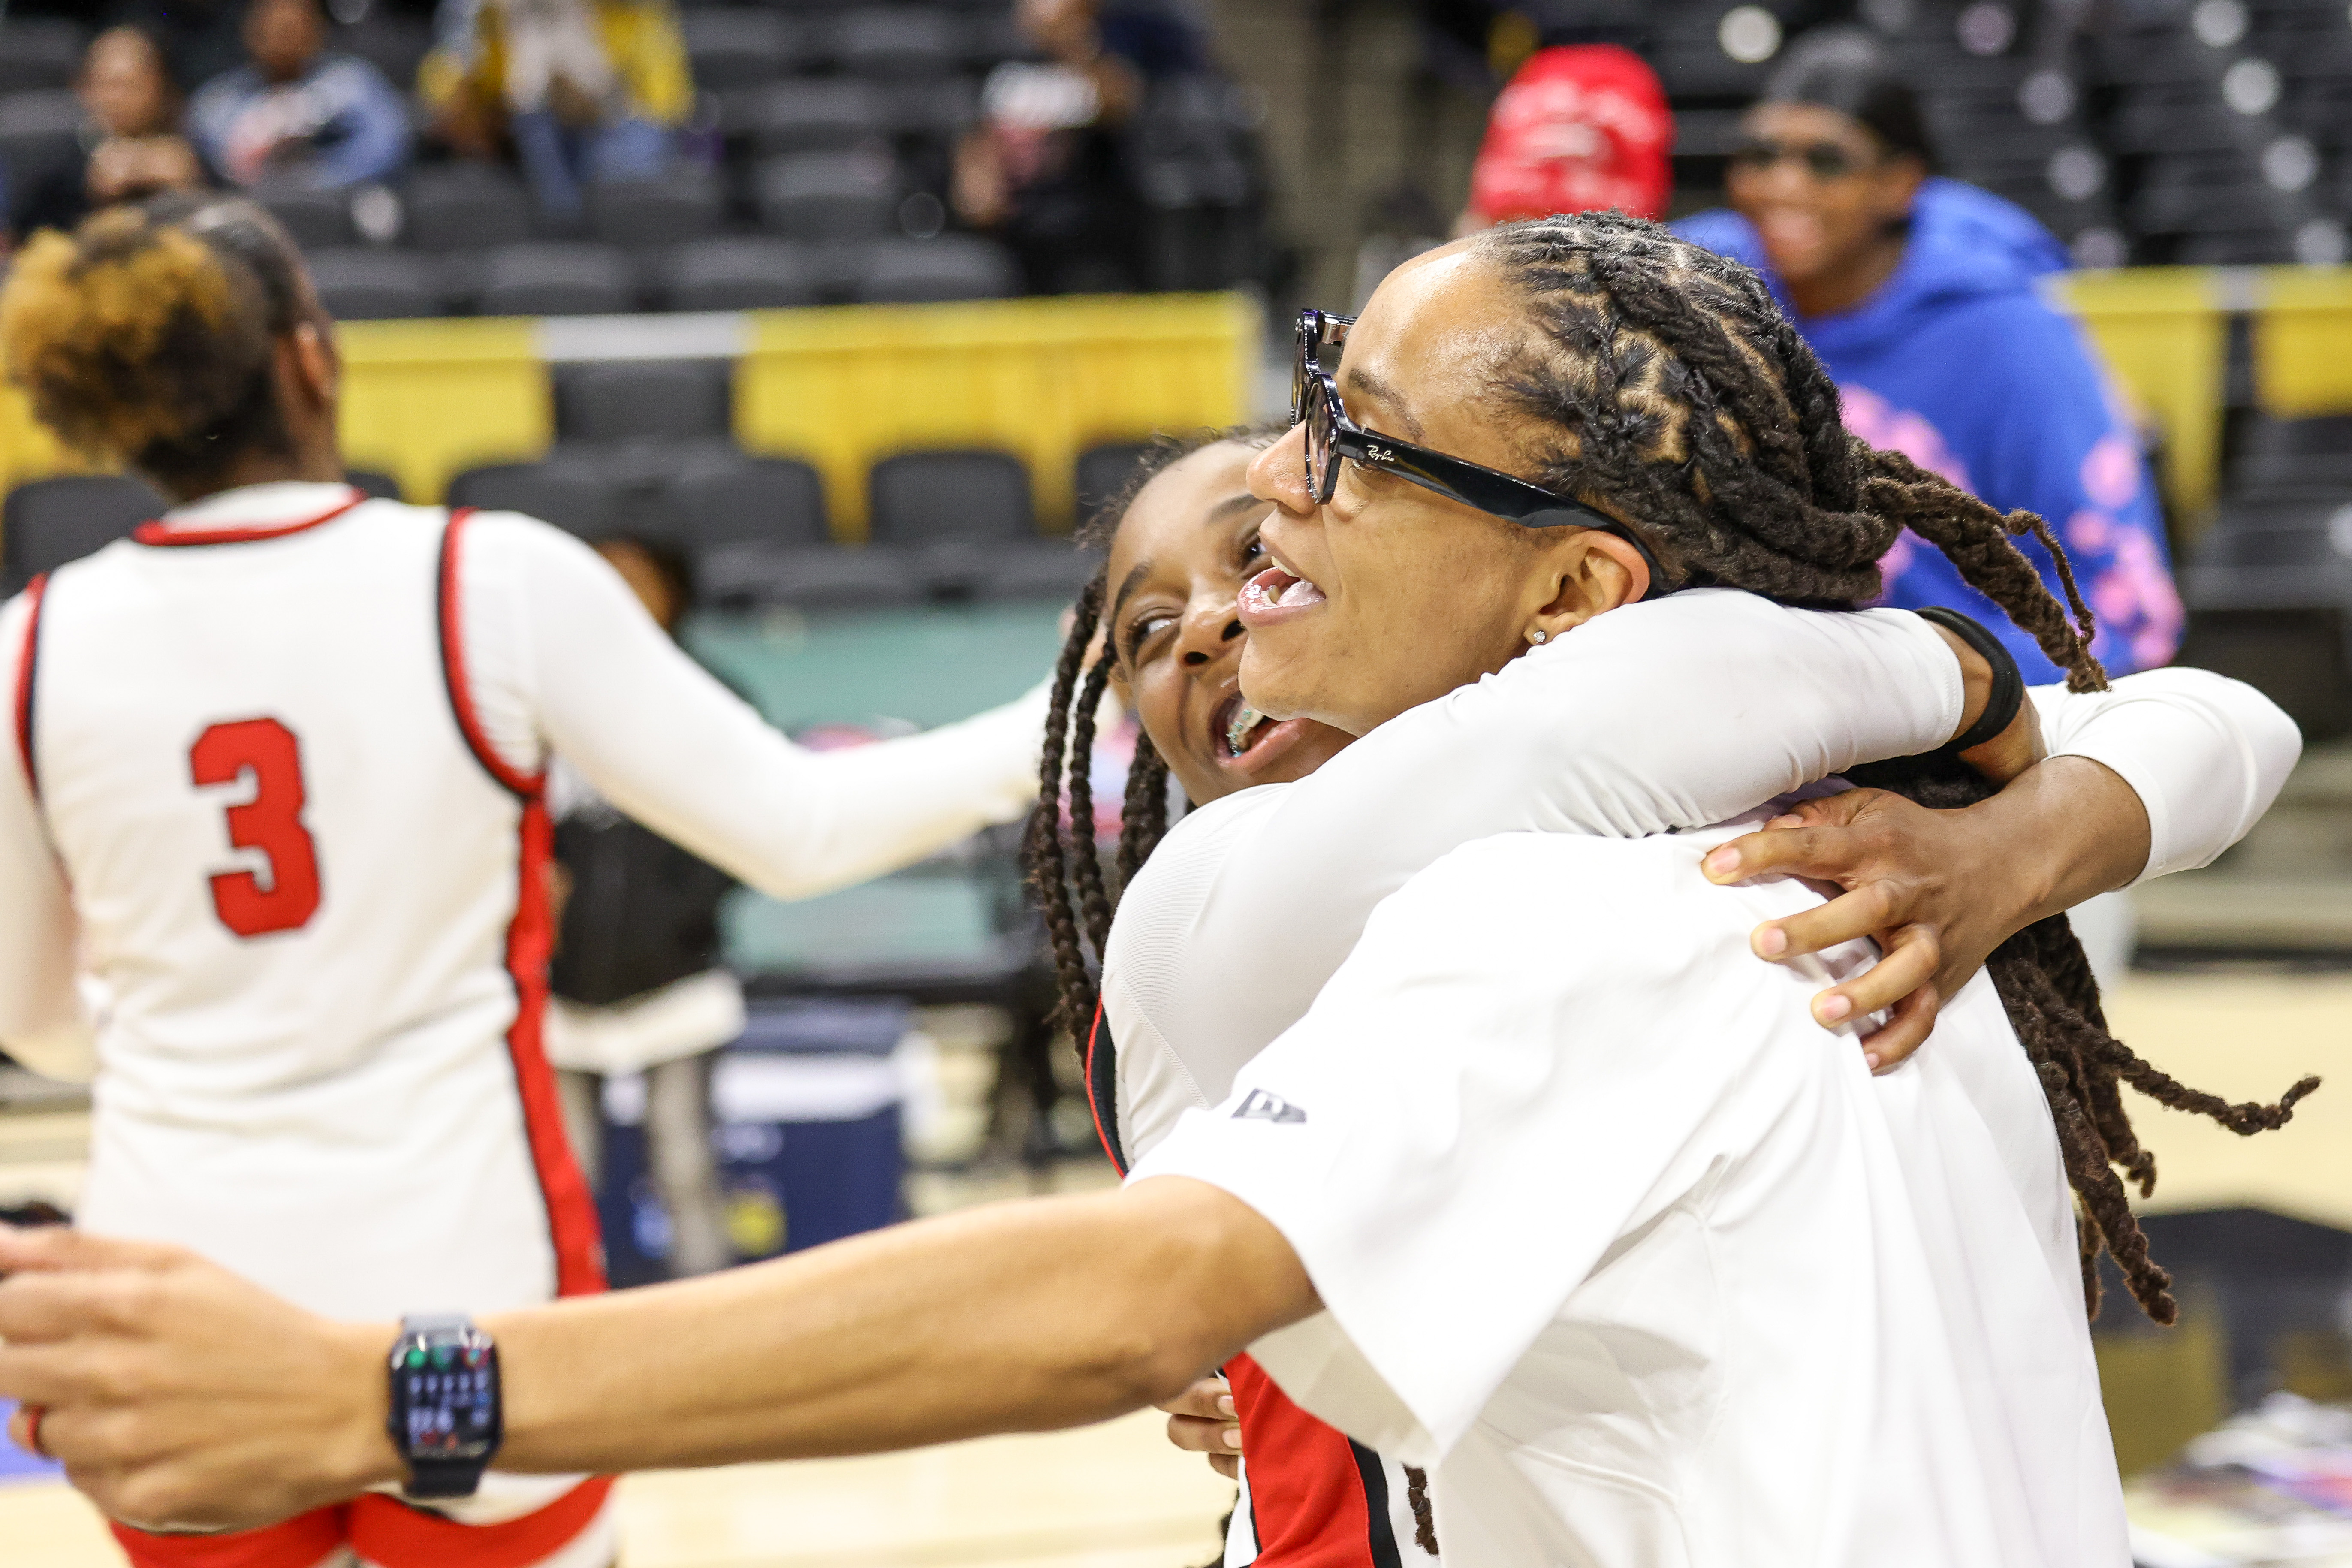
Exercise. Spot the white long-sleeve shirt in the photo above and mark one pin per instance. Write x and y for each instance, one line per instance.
(1657, 718)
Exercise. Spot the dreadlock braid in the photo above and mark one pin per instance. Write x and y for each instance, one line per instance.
(1048, 869)
(1094, 899)
(1679, 397)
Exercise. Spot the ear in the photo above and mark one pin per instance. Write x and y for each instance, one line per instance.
(1902, 179)
(314, 366)
(1595, 574)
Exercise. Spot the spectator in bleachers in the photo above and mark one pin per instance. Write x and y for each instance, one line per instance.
(296, 112)
(1043, 170)
(1578, 126)
(201, 38)
(1919, 295)
(587, 90)
(135, 148)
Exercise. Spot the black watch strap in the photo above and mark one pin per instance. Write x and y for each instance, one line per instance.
(2007, 680)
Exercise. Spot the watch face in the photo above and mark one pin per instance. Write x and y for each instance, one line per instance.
(447, 1395)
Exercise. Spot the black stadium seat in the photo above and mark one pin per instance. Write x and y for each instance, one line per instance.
(464, 207)
(381, 486)
(828, 195)
(1103, 471)
(315, 219)
(627, 399)
(772, 501)
(40, 132)
(49, 522)
(749, 274)
(887, 44)
(819, 577)
(357, 283)
(950, 267)
(920, 498)
(556, 278)
(640, 213)
(37, 53)
(824, 116)
(395, 46)
(739, 47)
(574, 499)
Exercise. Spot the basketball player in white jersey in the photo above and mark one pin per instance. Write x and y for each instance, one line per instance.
(275, 786)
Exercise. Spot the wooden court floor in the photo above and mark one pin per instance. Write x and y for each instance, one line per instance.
(1117, 1496)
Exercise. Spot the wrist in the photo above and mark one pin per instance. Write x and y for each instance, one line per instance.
(361, 1454)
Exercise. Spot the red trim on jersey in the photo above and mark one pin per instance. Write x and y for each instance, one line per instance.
(383, 1530)
(530, 940)
(27, 655)
(1306, 1496)
(453, 666)
(1094, 1110)
(161, 532)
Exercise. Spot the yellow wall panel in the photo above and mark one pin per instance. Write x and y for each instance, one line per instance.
(2163, 332)
(425, 400)
(1041, 378)
(2302, 339)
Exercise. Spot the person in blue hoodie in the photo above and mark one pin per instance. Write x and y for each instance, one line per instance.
(1919, 295)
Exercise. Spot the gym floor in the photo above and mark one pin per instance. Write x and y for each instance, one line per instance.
(1118, 1497)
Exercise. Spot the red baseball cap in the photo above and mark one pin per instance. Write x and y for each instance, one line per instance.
(1579, 128)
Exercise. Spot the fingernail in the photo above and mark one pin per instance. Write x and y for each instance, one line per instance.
(1833, 1010)
(1771, 942)
(1870, 1061)
(1722, 862)
(1233, 1438)
(1224, 1405)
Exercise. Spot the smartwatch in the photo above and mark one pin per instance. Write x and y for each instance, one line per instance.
(447, 1416)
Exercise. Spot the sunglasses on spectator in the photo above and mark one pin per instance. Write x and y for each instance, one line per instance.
(1332, 437)
(1824, 160)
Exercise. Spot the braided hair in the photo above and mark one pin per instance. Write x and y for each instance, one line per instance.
(1065, 870)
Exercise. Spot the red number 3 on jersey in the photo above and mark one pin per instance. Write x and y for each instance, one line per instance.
(270, 822)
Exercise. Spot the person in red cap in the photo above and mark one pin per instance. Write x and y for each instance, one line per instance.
(1580, 127)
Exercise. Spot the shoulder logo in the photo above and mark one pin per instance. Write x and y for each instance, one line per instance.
(1260, 1106)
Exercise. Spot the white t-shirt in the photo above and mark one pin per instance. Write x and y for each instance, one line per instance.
(1643, 1264)
(1656, 718)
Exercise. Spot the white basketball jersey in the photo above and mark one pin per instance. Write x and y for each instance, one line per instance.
(317, 900)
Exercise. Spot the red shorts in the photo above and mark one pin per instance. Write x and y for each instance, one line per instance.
(385, 1531)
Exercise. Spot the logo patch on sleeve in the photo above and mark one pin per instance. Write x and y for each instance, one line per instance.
(1260, 1106)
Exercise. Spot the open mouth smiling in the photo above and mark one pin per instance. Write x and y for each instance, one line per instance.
(1275, 596)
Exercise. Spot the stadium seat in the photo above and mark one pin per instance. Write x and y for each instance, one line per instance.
(950, 266)
(887, 44)
(49, 522)
(816, 577)
(2277, 454)
(1054, 569)
(38, 53)
(804, 116)
(572, 499)
(940, 109)
(729, 274)
(1103, 471)
(920, 498)
(772, 501)
(394, 45)
(381, 486)
(40, 132)
(623, 400)
(316, 219)
(828, 196)
(639, 213)
(556, 278)
(359, 283)
(464, 207)
(739, 47)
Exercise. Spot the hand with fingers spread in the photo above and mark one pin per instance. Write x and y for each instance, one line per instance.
(1201, 1420)
(1937, 890)
(164, 1384)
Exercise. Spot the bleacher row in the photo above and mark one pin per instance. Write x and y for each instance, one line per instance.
(2161, 132)
(642, 450)
(835, 130)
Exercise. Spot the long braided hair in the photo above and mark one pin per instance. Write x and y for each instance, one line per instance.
(1064, 868)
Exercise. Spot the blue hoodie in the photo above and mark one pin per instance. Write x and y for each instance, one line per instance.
(1958, 362)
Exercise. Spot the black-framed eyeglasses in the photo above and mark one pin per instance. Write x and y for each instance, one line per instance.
(1331, 436)
(1824, 160)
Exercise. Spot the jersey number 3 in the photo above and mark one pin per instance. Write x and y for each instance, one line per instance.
(270, 822)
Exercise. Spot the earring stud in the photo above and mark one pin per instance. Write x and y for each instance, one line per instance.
(1539, 634)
